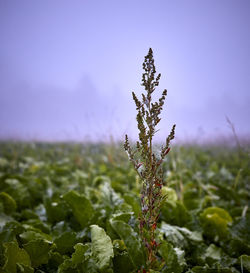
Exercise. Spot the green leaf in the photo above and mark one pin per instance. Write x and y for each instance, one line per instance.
(66, 267)
(108, 196)
(56, 211)
(213, 254)
(169, 193)
(77, 259)
(65, 242)
(9, 204)
(122, 263)
(4, 219)
(18, 191)
(24, 268)
(55, 259)
(38, 251)
(89, 266)
(102, 248)
(34, 235)
(190, 196)
(240, 242)
(122, 216)
(13, 255)
(175, 213)
(194, 236)
(215, 221)
(78, 255)
(130, 238)
(133, 201)
(81, 207)
(244, 261)
(173, 257)
(173, 235)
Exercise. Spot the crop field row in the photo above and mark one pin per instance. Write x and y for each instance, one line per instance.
(75, 207)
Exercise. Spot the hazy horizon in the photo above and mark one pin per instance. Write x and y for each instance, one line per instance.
(67, 69)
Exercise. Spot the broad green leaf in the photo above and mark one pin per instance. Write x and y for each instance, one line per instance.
(170, 194)
(240, 242)
(244, 261)
(173, 235)
(55, 259)
(133, 201)
(8, 202)
(81, 261)
(55, 211)
(24, 268)
(19, 192)
(123, 263)
(34, 235)
(102, 248)
(78, 255)
(100, 179)
(108, 196)
(173, 257)
(13, 255)
(213, 253)
(4, 219)
(175, 213)
(65, 242)
(66, 267)
(180, 256)
(130, 238)
(38, 225)
(194, 236)
(38, 251)
(81, 207)
(215, 221)
(122, 216)
(191, 196)
(89, 266)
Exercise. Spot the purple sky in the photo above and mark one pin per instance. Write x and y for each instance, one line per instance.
(67, 68)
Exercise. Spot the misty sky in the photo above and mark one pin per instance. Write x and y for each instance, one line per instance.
(67, 67)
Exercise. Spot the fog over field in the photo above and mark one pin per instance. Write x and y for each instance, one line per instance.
(67, 68)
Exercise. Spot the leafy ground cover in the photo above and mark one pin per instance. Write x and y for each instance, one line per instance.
(74, 208)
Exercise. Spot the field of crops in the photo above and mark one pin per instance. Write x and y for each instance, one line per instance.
(74, 208)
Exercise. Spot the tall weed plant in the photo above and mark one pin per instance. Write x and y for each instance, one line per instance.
(146, 162)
